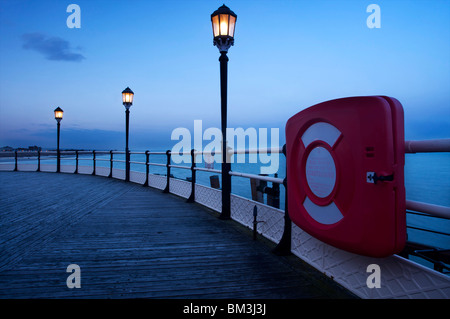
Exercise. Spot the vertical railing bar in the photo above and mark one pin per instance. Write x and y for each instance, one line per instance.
(93, 159)
(39, 161)
(226, 187)
(284, 246)
(127, 165)
(76, 162)
(255, 222)
(167, 190)
(147, 166)
(191, 198)
(111, 154)
(15, 161)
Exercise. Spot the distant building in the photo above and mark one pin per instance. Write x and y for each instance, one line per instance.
(20, 149)
(34, 148)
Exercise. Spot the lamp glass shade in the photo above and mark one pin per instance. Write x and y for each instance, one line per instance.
(223, 22)
(58, 113)
(127, 96)
(215, 23)
(231, 24)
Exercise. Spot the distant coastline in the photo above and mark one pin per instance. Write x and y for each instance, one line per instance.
(8, 151)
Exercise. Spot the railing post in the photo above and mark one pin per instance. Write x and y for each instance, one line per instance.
(110, 164)
(76, 162)
(147, 167)
(255, 222)
(93, 159)
(191, 198)
(39, 161)
(226, 185)
(127, 165)
(275, 194)
(167, 189)
(15, 161)
(284, 246)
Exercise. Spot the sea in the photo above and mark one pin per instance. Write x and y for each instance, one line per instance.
(427, 179)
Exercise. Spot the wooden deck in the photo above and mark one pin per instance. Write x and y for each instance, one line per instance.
(134, 242)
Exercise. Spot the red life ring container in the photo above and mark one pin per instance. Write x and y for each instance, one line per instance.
(345, 174)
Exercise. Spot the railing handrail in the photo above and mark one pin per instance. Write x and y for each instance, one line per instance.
(258, 177)
(157, 164)
(430, 209)
(157, 153)
(135, 162)
(210, 170)
(427, 146)
(179, 166)
(266, 150)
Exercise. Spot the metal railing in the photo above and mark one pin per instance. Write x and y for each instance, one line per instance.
(284, 246)
(440, 258)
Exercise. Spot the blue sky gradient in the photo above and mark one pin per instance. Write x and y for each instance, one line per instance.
(288, 55)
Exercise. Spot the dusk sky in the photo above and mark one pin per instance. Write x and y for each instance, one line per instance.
(288, 55)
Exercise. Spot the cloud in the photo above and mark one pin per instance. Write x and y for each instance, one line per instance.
(53, 48)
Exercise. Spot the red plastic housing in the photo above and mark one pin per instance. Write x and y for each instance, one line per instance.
(345, 174)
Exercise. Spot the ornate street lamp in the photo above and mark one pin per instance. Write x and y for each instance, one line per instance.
(127, 98)
(58, 117)
(223, 24)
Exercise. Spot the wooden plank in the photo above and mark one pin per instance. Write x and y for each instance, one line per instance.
(133, 242)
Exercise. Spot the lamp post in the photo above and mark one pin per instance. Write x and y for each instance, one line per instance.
(127, 98)
(58, 117)
(223, 24)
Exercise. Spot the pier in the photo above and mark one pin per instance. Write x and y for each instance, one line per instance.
(132, 241)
